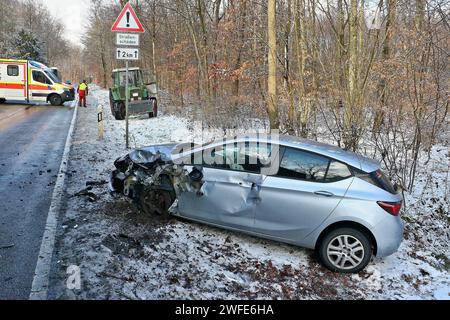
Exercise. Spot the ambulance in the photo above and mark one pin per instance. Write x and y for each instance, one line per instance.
(31, 81)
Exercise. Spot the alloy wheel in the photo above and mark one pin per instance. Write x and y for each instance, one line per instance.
(345, 252)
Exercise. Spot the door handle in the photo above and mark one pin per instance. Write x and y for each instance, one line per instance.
(324, 193)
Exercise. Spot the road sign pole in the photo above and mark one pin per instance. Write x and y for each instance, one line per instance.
(127, 21)
(126, 104)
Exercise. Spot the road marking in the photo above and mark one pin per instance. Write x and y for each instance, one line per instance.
(39, 288)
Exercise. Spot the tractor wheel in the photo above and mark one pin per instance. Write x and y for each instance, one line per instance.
(111, 102)
(119, 110)
(154, 112)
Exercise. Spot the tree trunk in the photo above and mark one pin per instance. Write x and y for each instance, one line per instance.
(217, 4)
(242, 26)
(390, 22)
(350, 116)
(272, 107)
(420, 14)
(301, 52)
(155, 71)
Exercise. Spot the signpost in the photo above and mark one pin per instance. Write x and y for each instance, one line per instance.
(127, 21)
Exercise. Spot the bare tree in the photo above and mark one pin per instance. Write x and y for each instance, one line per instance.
(272, 107)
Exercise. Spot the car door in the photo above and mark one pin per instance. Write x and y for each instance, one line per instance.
(40, 86)
(230, 191)
(296, 200)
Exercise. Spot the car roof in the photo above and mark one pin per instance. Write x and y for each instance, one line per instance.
(355, 160)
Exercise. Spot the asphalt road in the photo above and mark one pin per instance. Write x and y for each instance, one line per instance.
(32, 140)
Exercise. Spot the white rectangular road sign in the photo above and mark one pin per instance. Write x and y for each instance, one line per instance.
(127, 39)
(127, 53)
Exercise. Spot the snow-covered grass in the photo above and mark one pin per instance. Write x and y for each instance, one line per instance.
(124, 254)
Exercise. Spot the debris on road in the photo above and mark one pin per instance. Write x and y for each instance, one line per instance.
(87, 193)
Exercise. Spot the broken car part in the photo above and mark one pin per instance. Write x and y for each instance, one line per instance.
(152, 180)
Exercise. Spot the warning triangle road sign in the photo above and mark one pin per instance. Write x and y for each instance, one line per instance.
(127, 21)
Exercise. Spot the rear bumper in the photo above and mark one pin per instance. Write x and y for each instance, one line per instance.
(388, 234)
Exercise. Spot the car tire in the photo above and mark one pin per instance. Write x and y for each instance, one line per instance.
(2, 100)
(345, 250)
(156, 202)
(55, 100)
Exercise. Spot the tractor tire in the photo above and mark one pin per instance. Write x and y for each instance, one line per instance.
(120, 112)
(55, 100)
(154, 112)
(111, 102)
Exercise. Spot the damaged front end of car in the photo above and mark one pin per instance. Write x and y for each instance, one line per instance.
(151, 178)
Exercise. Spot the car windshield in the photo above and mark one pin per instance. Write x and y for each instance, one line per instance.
(52, 76)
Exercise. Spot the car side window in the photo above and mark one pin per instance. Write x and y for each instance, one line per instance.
(302, 165)
(12, 70)
(255, 156)
(222, 157)
(242, 156)
(40, 77)
(337, 171)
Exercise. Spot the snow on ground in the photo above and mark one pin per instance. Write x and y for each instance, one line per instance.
(124, 254)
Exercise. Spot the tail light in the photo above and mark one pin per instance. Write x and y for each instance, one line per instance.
(391, 207)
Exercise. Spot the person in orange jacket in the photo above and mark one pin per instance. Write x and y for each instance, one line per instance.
(83, 91)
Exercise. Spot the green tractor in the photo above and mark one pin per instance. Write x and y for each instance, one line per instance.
(142, 93)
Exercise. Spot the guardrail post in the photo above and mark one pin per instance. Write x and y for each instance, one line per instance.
(101, 128)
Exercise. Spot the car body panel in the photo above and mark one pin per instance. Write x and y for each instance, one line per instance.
(360, 206)
(291, 209)
(227, 199)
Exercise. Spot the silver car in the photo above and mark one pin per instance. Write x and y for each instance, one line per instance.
(287, 189)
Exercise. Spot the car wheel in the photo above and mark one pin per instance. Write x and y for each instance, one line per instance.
(156, 201)
(55, 100)
(345, 250)
(2, 100)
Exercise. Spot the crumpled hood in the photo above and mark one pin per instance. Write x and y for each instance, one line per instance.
(152, 153)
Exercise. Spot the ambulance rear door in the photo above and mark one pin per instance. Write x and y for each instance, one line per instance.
(13, 80)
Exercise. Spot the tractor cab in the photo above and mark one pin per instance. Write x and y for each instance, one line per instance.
(142, 93)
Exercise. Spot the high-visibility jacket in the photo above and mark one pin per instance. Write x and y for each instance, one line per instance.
(82, 87)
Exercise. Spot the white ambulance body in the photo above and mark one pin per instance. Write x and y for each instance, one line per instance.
(31, 81)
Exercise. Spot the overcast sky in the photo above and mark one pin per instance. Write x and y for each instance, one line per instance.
(73, 13)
